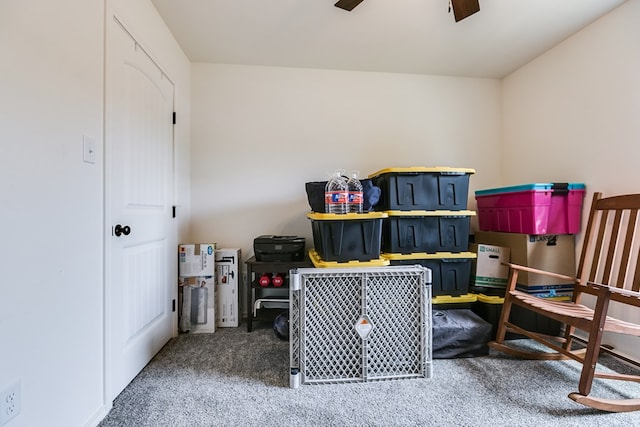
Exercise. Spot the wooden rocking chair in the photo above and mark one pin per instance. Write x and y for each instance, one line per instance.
(609, 271)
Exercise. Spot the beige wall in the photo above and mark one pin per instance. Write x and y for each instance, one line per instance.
(260, 133)
(572, 114)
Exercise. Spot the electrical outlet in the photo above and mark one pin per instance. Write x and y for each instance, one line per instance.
(10, 402)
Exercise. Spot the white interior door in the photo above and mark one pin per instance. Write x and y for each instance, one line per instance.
(140, 242)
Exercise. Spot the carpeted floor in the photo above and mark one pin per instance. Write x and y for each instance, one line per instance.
(236, 378)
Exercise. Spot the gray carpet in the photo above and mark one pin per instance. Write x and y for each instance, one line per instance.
(236, 378)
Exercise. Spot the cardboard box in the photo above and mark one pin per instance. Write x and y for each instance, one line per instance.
(548, 291)
(227, 282)
(488, 270)
(555, 253)
(197, 304)
(196, 260)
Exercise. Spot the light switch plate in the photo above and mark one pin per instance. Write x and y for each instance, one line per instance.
(88, 149)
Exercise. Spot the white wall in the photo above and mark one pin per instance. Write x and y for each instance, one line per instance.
(260, 133)
(572, 114)
(51, 202)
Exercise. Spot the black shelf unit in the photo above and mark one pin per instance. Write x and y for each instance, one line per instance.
(255, 291)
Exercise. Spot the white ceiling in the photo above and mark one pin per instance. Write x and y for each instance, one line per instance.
(399, 36)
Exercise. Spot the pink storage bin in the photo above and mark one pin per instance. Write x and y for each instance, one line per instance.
(542, 208)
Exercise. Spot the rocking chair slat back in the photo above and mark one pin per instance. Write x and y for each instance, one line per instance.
(610, 239)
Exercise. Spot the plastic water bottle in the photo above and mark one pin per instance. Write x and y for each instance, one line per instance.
(356, 196)
(336, 195)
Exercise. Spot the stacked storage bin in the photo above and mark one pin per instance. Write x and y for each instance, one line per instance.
(346, 240)
(428, 224)
(343, 240)
(537, 223)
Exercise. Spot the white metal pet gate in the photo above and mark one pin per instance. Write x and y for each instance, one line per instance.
(359, 324)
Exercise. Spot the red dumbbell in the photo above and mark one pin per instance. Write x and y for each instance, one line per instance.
(278, 279)
(265, 279)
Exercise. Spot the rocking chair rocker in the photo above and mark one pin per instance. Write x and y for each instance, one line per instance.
(609, 271)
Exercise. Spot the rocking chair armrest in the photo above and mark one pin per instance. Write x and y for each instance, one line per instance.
(537, 271)
(623, 292)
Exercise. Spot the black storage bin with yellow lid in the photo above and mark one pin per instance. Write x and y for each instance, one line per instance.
(407, 232)
(347, 237)
(422, 188)
(450, 272)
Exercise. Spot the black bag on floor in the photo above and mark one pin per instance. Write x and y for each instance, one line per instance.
(459, 333)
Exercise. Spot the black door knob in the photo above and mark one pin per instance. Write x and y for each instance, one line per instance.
(120, 230)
